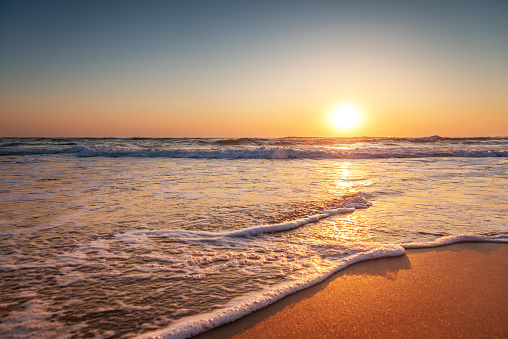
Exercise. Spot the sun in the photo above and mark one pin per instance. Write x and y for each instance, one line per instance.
(346, 116)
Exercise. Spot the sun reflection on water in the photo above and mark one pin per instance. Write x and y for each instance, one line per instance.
(349, 228)
(349, 177)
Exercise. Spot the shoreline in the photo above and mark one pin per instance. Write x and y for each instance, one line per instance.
(456, 290)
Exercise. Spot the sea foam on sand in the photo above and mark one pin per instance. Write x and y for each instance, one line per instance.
(249, 303)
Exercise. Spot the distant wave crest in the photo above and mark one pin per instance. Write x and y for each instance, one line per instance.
(261, 152)
(289, 141)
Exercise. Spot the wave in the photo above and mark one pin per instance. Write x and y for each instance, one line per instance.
(452, 239)
(257, 230)
(246, 141)
(318, 141)
(193, 325)
(240, 307)
(131, 237)
(261, 152)
(240, 141)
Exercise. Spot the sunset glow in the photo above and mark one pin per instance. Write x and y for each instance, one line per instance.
(171, 168)
(215, 71)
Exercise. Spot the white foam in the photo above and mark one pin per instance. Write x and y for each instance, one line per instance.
(130, 308)
(249, 303)
(56, 222)
(264, 152)
(257, 230)
(97, 249)
(35, 319)
(359, 206)
(140, 238)
(452, 239)
(239, 307)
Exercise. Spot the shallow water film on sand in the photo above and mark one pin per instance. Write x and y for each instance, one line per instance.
(123, 237)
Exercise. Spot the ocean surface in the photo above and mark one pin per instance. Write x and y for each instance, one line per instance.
(170, 237)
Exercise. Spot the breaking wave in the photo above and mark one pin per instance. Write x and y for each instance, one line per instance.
(239, 307)
(261, 152)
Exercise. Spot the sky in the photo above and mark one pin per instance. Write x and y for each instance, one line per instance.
(252, 68)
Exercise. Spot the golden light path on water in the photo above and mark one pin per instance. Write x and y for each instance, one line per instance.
(415, 199)
(348, 179)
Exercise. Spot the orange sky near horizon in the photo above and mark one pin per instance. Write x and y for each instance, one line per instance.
(229, 76)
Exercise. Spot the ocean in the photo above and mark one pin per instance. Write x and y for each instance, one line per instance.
(108, 237)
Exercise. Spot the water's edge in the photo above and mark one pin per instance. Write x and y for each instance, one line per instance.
(247, 304)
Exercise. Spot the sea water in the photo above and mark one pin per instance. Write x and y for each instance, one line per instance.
(171, 237)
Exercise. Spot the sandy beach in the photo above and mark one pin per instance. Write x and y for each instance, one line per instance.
(453, 291)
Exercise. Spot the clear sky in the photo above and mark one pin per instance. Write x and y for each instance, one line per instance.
(252, 68)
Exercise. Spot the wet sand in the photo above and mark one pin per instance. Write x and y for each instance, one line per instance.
(459, 290)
